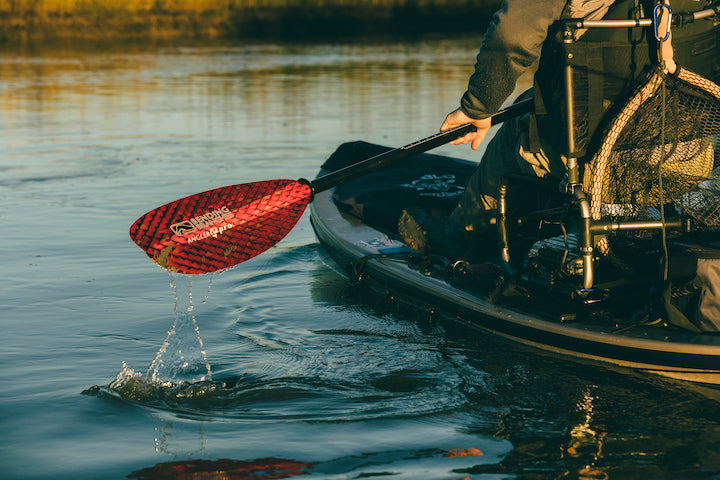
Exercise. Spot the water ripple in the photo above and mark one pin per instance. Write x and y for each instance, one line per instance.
(340, 383)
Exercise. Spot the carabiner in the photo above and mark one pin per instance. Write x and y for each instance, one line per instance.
(656, 21)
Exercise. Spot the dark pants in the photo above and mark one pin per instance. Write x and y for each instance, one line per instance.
(507, 152)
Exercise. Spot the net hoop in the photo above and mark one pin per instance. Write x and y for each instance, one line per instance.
(599, 164)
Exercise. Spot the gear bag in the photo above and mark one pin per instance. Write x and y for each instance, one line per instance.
(691, 297)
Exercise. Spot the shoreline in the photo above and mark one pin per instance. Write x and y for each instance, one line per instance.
(208, 19)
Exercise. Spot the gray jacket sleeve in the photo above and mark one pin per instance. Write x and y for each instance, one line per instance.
(510, 46)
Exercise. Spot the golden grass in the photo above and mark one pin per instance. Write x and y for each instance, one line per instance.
(29, 19)
(68, 7)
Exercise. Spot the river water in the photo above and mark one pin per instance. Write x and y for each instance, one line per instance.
(287, 371)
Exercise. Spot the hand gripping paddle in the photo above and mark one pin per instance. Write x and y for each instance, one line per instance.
(220, 228)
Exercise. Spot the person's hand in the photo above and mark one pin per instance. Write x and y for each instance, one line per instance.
(457, 118)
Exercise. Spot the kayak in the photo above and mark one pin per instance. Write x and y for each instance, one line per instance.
(356, 224)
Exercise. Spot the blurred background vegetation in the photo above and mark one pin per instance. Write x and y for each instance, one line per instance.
(24, 20)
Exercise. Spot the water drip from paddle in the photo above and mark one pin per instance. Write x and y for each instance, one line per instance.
(180, 369)
(182, 356)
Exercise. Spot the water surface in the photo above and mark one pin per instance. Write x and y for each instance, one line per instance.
(296, 372)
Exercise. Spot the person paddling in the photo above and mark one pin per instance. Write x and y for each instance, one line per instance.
(521, 33)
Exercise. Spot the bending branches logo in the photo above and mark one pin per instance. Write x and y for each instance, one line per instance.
(201, 222)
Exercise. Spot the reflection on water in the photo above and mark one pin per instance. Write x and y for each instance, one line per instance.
(270, 87)
(586, 440)
(165, 441)
(261, 468)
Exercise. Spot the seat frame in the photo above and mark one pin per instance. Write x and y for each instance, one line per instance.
(591, 231)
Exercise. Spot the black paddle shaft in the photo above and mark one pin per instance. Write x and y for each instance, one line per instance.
(395, 155)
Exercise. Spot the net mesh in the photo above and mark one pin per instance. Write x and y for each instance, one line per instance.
(663, 147)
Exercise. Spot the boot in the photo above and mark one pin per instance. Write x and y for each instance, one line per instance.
(432, 234)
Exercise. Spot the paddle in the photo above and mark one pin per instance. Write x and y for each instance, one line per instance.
(220, 228)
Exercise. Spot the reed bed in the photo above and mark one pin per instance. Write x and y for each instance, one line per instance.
(48, 19)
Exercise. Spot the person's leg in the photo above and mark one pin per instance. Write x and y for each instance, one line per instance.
(507, 152)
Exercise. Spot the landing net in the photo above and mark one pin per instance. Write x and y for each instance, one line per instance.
(662, 148)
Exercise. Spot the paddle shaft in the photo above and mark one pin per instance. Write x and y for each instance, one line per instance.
(397, 154)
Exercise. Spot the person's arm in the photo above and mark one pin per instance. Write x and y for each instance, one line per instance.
(510, 46)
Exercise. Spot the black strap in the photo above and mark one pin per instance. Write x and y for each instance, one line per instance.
(596, 82)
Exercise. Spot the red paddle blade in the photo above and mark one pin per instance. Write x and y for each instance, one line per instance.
(219, 228)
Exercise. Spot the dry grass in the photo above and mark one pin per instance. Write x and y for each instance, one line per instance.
(31, 19)
(49, 8)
